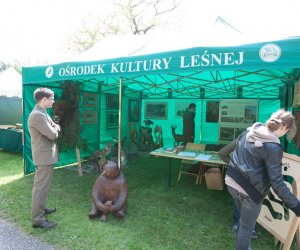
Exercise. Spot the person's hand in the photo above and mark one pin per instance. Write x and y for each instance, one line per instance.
(57, 127)
(54, 125)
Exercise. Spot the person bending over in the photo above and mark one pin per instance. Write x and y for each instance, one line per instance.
(255, 167)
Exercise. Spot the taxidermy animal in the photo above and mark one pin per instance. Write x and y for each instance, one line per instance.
(111, 153)
(148, 123)
(146, 138)
(105, 155)
(109, 193)
(177, 137)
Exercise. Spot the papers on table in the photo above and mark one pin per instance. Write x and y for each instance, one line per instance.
(187, 154)
(195, 155)
(165, 150)
(170, 150)
(203, 157)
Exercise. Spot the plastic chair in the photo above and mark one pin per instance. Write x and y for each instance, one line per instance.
(184, 163)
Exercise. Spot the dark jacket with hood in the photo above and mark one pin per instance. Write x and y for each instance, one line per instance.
(188, 126)
(256, 166)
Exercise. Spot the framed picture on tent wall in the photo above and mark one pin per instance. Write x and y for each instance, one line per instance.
(89, 116)
(90, 100)
(212, 111)
(156, 110)
(133, 110)
(112, 101)
(112, 119)
(180, 108)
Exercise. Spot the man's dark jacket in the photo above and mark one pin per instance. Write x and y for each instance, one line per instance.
(188, 126)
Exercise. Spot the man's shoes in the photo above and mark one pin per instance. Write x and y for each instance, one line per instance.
(234, 228)
(254, 235)
(44, 224)
(50, 210)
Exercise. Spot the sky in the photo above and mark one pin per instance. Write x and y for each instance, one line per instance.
(33, 31)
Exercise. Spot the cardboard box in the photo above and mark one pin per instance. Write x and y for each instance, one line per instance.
(214, 179)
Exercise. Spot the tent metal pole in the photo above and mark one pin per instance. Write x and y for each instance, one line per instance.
(120, 122)
(286, 106)
(99, 115)
(201, 120)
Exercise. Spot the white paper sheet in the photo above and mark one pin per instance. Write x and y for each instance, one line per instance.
(203, 157)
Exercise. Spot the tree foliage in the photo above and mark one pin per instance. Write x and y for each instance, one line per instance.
(130, 16)
(3, 66)
(15, 64)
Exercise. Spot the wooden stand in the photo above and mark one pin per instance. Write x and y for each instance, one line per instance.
(79, 161)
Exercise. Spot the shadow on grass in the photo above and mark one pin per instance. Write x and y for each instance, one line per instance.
(186, 216)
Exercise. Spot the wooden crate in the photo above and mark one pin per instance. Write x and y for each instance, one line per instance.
(214, 179)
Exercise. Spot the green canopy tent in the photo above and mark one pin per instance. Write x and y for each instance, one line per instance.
(264, 71)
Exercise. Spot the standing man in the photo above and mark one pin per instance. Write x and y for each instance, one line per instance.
(189, 124)
(43, 132)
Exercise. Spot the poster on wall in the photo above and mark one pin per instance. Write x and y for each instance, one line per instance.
(235, 116)
(112, 101)
(133, 110)
(112, 119)
(275, 216)
(90, 100)
(89, 117)
(156, 110)
(181, 107)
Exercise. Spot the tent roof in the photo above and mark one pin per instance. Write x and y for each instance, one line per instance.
(10, 83)
(156, 65)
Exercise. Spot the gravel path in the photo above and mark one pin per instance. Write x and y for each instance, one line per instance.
(12, 238)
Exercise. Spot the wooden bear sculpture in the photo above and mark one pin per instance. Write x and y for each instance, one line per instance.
(109, 193)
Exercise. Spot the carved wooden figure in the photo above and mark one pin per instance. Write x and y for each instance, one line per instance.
(158, 136)
(109, 193)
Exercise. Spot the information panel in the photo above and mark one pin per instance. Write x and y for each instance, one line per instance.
(235, 116)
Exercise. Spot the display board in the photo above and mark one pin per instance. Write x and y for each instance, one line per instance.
(235, 116)
(275, 217)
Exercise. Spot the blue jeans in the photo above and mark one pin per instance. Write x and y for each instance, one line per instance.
(235, 214)
(249, 211)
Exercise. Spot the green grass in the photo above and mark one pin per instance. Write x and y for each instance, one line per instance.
(186, 216)
(11, 167)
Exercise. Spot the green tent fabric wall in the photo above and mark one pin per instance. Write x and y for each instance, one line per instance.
(262, 71)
